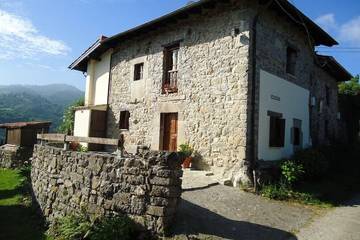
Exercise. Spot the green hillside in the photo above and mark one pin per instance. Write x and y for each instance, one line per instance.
(28, 103)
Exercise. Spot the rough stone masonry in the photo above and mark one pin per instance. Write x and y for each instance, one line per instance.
(145, 186)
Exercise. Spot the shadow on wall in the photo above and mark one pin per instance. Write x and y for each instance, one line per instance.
(194, 220)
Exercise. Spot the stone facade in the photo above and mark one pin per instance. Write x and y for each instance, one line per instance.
(12, 156)
(274, 34)
(214, 99)
(212, 96)
(146, 186)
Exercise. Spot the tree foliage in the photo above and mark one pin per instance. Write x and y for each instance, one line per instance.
(351, 87)
(68, 119)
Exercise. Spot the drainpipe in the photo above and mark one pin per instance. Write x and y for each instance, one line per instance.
(253, 54)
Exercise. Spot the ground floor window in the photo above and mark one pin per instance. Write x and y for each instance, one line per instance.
(296, 136)
(124, 120)
(277, 130)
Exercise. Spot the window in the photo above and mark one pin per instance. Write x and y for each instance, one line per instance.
(124, 120)
(277, 131)
(171, 61)
(291, 57)
(327, 130)
(327, 92)
(138, 71)
(296, 135)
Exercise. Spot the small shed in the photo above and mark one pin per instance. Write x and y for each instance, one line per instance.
(23, 134)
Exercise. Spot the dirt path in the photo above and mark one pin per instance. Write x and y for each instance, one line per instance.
(342, 223)
(212, 211)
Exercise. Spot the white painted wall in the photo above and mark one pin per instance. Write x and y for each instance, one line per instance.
(294, 103)
(82, 123)
(97, 80)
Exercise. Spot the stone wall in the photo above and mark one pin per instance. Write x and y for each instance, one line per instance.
(213, 87)
(320, 80)
(274, 34)
(146, 186)
(12, 156)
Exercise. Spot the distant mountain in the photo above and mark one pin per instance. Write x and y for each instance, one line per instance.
(29, 102)
(60, 94)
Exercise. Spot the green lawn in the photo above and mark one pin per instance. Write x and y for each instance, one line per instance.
(18, 219)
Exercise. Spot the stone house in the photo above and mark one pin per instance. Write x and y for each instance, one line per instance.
(238, 80)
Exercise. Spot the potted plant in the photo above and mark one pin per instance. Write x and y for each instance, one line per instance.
(187, 152)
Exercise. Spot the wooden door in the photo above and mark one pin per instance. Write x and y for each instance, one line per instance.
(169, 132)
(97, 128)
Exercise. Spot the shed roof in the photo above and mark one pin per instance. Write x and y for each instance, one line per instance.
(334, 68)
(34, 124)
(284, 7)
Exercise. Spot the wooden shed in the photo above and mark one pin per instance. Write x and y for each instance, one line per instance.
(24, 133)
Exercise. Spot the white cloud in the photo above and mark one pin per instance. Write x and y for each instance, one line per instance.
(327, 21)
(350, 31)
(19, 38)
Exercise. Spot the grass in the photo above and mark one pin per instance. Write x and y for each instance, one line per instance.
(332, 191)
(18, 219)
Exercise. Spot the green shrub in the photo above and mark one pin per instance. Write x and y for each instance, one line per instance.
(291, 172)
(282, 192)
(314, 162)
(77, 227)
(81, 148)
(71, 227)
(275, 191)
(116, 228)
(186, 149)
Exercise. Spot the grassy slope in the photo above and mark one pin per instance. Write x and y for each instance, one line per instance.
(17, 218)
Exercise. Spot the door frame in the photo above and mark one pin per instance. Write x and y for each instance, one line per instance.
(162, 128)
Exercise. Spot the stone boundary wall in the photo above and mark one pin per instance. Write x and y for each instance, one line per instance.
(12, 156)
(146, 186)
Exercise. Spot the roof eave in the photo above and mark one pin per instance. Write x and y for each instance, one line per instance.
(78, 64)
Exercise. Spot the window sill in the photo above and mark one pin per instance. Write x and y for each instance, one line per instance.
(291, 75)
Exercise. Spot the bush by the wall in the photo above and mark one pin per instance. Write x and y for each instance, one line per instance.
(116, 228)
(82, 226)
(314, 162)
(291, 172)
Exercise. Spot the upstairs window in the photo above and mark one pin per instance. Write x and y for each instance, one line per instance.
(327, 95)
(327, 130)
(171, 63)
(277, 131)
(124, 120)
(291, 58)
(138, 71)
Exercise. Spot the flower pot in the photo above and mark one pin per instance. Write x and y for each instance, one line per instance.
(187, 162)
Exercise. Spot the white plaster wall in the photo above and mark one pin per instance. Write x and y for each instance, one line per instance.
(97, 80)
(89, 90)
(82, 123)
(294, 103)
(101, 78)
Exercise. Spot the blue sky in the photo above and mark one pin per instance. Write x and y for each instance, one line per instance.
(40, 38)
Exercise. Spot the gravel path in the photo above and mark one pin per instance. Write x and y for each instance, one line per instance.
(342, 223)
(212, 211)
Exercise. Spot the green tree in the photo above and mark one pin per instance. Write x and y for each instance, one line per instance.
(68, 119)
(351, 87)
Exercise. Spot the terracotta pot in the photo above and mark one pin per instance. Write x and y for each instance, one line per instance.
(187, 162)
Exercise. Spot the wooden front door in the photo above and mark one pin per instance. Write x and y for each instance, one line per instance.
(169, 123)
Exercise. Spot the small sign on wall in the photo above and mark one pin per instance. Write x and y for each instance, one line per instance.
(276, 98)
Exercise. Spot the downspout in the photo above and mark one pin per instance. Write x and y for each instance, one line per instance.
(253, 99)
(253, 54)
